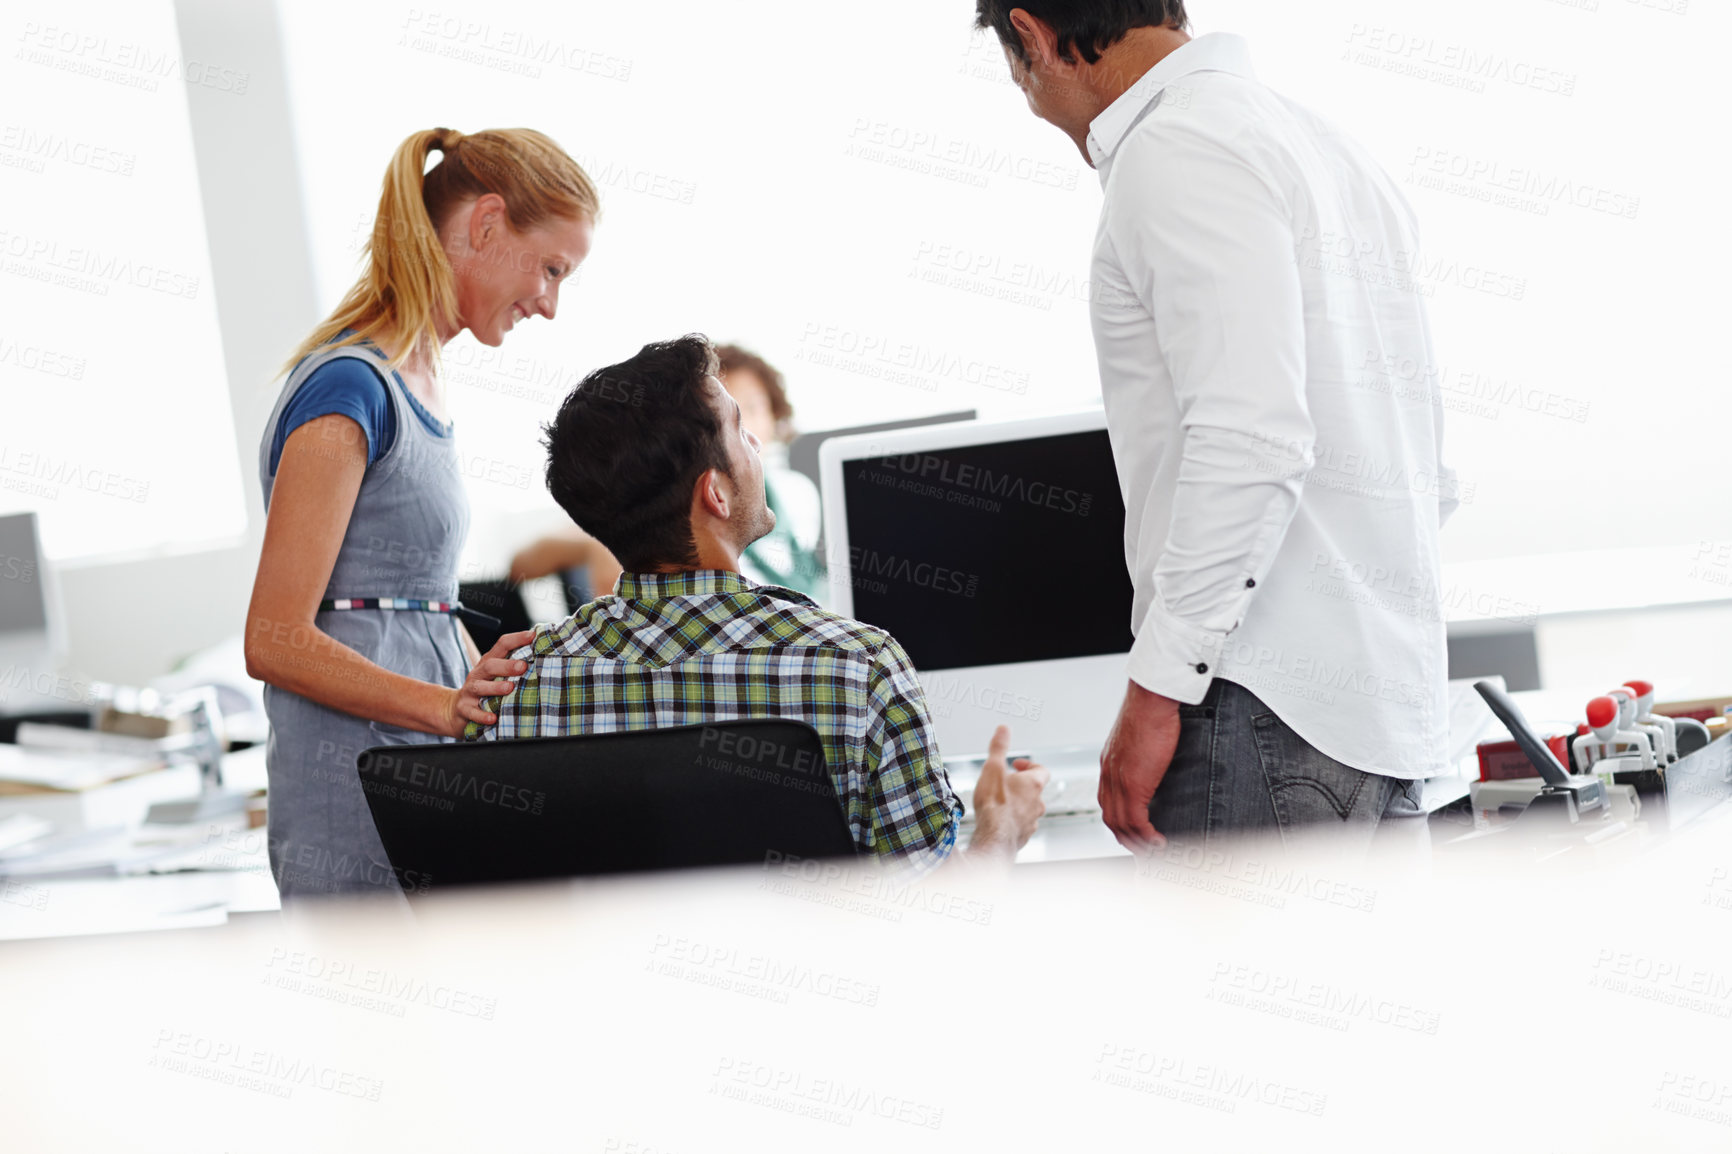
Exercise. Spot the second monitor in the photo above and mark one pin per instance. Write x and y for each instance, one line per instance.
(994, 552)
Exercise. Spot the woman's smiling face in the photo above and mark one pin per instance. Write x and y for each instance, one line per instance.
(505, 276)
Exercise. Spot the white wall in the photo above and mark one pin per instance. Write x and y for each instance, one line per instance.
(130, 621)
(117, 429)
(855, 200)
(1682, 649)
(774, 173)
(890, 192)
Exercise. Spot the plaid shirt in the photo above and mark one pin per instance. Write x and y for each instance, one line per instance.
(686, 648)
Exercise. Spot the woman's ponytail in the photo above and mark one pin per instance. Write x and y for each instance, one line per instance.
(409, 272)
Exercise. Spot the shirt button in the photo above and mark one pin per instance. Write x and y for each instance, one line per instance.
(1251, 583)
(1201, 668)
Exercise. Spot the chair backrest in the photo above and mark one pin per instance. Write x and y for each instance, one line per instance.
(725, 793)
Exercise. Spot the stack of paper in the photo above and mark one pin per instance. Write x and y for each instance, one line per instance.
(25, 770)
(20, 829)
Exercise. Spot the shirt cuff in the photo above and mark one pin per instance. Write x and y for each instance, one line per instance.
(921, 862)
(1175, 658)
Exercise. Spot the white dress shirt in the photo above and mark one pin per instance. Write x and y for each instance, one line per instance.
(1259, 334)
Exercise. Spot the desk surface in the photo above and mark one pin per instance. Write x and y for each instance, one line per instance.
(242, 884)
(730, 1010)
(223, 868)
(86, 906)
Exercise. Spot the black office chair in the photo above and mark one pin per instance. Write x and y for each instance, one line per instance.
(726, 793)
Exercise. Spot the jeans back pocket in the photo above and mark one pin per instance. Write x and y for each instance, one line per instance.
(1306, 786)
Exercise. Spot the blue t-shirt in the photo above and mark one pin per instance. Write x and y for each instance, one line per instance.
(350, 388)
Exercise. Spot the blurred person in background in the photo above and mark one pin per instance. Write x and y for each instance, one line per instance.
(352, 624)
(787, 557)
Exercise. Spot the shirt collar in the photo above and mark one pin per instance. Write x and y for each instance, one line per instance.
(692, 583)
(1215, 52)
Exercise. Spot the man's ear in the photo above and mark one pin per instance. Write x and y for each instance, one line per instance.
(1039, 41)
(712, 495)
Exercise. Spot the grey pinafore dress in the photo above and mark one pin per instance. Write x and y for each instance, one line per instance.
(403, 540)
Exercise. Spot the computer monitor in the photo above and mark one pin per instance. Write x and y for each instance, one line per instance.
(31, 635)
(803, 450)
(993, 551)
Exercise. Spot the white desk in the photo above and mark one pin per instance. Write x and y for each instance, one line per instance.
(224, 870)
(86, 906)
(207, 897)
(1075, 837)
(526, 1018)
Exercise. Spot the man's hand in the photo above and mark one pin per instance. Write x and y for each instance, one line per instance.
(1136, 757)
(1007, 804)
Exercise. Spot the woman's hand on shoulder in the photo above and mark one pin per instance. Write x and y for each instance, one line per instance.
(495, 675)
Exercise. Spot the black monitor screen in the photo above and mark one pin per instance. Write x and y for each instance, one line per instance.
(991, 554)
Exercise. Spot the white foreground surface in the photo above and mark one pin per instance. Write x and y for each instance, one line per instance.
(1242, 1004)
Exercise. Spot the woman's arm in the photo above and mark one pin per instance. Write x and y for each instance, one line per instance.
(318, 478)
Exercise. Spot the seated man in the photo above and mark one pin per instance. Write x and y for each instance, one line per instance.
(651, 458)
(788, 556)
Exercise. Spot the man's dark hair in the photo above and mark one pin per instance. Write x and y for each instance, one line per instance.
(1088, 27)
(629, 444)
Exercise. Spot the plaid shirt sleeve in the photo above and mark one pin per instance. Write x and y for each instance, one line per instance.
(913, 810)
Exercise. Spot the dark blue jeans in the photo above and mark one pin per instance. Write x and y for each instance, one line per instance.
(1239, 770)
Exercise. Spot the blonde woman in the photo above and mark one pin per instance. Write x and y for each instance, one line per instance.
(353, 624)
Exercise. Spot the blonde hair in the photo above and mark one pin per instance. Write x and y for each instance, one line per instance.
(409, 289)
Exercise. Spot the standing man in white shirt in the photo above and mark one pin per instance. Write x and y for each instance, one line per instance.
(1253, 297)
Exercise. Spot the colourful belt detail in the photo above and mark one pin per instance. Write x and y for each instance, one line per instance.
(473, 616)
